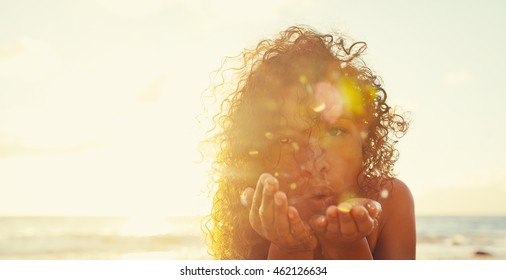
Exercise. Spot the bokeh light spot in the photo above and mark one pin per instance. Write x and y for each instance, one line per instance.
(384, 193)
(295, 146)
(269, 135)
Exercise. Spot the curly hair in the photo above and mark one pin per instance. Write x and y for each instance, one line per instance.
(299, 56)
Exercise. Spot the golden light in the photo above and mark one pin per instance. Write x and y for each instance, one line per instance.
(132, 8)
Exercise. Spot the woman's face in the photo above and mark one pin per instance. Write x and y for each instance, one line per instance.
(317, 163)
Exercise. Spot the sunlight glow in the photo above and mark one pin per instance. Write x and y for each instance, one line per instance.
(132, 8)
(149, 225)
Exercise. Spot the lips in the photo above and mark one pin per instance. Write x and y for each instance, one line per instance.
(322, 195)
(316, 195)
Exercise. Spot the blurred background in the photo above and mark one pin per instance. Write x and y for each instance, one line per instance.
(99, 136)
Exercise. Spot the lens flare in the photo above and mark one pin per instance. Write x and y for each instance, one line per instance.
(330, 103)
(352, 96)
(384, 193)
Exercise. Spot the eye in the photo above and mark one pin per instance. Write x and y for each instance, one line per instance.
(336, 131)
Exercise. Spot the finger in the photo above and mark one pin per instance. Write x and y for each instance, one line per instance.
(297, 227)
(374, 208)
(254, 217)
(281, 222)
(363, 221)
(267, 207)
(346, 224)
(247, 196)
(376, 223)
(318, 223)
(333, 220)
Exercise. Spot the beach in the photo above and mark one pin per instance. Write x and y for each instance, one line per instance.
(181, 238)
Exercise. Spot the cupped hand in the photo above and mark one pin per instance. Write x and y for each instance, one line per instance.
(347, 222)
(274, 220)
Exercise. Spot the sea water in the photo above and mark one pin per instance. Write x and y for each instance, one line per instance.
(61, 238)
(461, 237)
(98, 238)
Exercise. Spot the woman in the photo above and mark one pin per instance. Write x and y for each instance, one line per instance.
(304, 157)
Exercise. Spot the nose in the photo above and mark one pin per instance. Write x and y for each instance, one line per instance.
(314, 159)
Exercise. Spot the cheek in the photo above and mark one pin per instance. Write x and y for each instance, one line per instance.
(347, 160)
(345, 167)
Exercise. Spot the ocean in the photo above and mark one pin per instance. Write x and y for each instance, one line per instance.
(461, 237)
(97, 238)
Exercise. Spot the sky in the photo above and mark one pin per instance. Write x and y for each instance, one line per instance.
(98, 99)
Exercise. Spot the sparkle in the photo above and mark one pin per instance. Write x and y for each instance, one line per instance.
(319, 108)
(269, 135)
(295, 146)
(253, 152)
(344, 207)
(293, 186)
(363, 135)
(384, 193)
(276, 174)
(371, 92)
(303, 79)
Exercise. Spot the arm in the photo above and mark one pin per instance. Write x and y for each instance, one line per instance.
(397, 234)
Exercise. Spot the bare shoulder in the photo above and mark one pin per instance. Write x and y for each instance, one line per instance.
(397, 196)
(397, 234)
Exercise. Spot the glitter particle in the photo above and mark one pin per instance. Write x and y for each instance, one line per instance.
(269, 135)
(295, 146)
(384, 194)
(293, 186)
(363, 135)
(345, 207)
(319, 108)
(303, 79)
(253, 152)
(276, 174)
